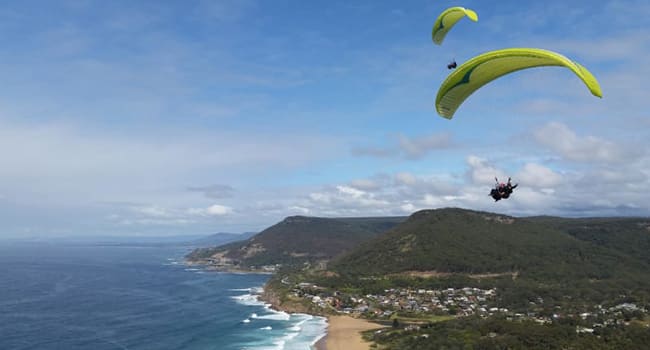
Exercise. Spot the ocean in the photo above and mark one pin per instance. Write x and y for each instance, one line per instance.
(93, 296)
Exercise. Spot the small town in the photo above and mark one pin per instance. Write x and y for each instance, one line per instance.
(454, 302)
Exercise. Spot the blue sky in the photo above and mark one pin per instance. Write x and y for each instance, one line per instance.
(170, 117)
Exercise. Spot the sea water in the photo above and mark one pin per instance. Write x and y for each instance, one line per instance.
(93, 296)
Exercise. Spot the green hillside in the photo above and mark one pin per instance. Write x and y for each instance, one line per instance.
(525, 258)
(629, 236)
(298, 239)
(500, 282)
(464, 241)
(497, 333)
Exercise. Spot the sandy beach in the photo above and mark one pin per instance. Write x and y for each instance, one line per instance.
(343, 334)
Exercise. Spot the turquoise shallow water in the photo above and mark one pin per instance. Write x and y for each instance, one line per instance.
(84, 296)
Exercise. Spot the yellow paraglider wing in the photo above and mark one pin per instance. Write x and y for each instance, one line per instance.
(484, 68)
(447, 19)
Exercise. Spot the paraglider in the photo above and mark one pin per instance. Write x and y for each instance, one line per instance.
(484, 68)
(501, 190)
(447, 20)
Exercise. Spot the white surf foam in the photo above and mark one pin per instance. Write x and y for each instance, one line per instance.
(278, 316)
(293, 331)
(248, 299)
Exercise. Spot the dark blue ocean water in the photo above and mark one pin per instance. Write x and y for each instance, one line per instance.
(72, 296)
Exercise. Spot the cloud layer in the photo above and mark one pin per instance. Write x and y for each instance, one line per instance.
(160, 118)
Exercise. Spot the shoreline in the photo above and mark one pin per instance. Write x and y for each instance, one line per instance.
(310, 328)
(225, 269)
(321, 344)
(344, 333)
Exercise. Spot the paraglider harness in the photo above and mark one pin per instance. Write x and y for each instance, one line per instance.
(501, 190)
(452, 65)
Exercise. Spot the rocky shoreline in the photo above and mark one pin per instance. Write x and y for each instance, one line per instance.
(226, 268)
(343, 331)
(268, 295)
(274, 298)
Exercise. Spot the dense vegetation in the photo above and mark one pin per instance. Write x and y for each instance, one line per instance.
(526, 258)
(548, 269)
(199, 254)
(630, 236)
(299, 239)
(456, 240)
(499, 333)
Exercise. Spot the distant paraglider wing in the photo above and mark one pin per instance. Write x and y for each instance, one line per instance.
(448, 19)
(482, 69)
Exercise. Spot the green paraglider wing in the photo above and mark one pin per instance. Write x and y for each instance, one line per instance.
(448, 19)
(484, 68)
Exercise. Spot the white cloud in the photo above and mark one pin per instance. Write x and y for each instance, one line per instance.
(216, 191)
(418, 147)
(405, 147)
(213, 210)
(68, 163)
(156, 222)
(539, 176)
(298, 209)
(218, 210)
(345, 200)
(158, 215)
(431, 201)
(613, 47)
(153, 211)
(407, 208)
(350, 192)
(566, 143)
(154, 124)
(407, 179)
(482, 172)
(320, 197)
(585, 191)
(367, 184)
(373, 152)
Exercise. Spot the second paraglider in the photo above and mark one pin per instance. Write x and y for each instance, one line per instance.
(448, 19)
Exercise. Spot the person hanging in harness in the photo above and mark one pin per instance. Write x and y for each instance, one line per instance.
(502, 190)
(452, 65)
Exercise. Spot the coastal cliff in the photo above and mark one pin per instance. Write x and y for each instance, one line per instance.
(280, 300)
